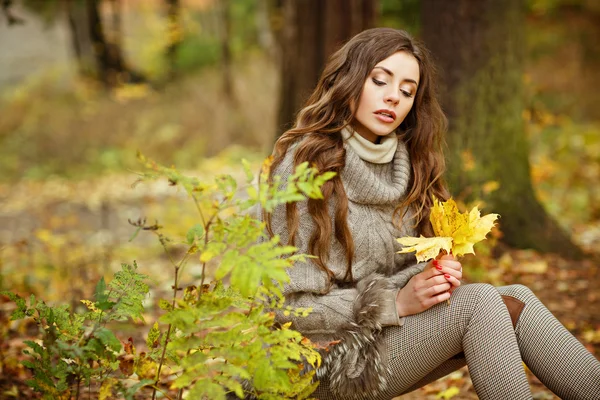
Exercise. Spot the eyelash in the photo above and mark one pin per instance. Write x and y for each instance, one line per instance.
(380, 83)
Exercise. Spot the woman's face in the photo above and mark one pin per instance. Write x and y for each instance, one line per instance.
(387, 96)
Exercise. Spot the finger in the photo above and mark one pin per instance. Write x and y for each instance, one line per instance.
(438, 299)
(449, 264)
(447, 257)
(441, 270)
(437, 289)
(431, 270)
(452, 280)
(436, 280)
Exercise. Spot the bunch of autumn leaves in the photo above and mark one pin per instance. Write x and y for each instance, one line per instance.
(455, 232)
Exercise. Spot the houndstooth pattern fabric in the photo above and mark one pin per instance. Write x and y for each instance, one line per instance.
(477, 323)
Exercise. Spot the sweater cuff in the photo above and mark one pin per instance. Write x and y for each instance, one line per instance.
(389, 312)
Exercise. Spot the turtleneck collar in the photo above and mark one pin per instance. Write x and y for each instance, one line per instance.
(380, 153)
(370, 183)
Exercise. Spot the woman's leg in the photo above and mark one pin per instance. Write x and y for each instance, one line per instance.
(551, 352)
(476, 322)
(442, 370)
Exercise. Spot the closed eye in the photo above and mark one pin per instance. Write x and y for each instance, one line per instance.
(406, 94)
(378, 82)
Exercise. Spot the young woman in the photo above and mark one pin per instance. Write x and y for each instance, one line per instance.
(374, 119)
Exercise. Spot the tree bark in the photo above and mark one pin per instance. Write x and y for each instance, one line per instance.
(313, 30)
(109, 59)
(478, 46)
(225, 12)
(265, 31)
(80, 38)
(175, 30)
(97, 56)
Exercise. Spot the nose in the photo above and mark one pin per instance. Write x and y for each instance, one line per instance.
(392, 97)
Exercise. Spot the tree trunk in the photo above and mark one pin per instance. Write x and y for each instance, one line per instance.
(313, 30)
(109, 59)
(82, 42)
(176, 31)
(97, 56)
(225, 12)
(478, 46)
(265, 31)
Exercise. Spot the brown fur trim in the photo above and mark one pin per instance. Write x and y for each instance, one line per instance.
(358, 365)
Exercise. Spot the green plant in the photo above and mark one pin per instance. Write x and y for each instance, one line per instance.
(76, 348)
(216, 337)
(223, 334)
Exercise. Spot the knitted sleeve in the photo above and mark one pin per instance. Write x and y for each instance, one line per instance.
(372, 303)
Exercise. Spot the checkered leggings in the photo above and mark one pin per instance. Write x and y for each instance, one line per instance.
(477, 323)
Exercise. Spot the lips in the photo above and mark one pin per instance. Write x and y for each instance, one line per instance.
(385, 115)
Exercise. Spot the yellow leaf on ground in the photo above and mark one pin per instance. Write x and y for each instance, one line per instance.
(534, 267)
(106, 389)
(448, 393)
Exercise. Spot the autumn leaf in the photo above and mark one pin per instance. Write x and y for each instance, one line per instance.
(106, 389)
(126, 364)
(455, 232)
(426, 248)
(474, 231)
(448, 393)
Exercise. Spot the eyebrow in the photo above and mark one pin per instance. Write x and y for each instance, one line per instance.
(390, 73)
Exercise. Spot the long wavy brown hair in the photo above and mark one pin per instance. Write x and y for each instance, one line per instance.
(330, 108)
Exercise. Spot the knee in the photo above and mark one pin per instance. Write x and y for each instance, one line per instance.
(478, 300)
(519, 292)
(481, 293)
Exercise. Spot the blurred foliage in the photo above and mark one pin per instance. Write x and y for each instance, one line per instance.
(566, 166)
(401, 15)
(48, 10)
(81, 131)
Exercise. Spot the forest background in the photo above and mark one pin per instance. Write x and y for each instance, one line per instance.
(199, 84)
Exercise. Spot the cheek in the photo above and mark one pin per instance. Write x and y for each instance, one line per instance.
(409, 107)
(364, 100)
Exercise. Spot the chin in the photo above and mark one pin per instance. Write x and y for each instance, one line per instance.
(384, 133)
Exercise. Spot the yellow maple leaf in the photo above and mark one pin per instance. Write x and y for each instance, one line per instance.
(425, 248)
(475, 230)
(445, 218)
(454, 231)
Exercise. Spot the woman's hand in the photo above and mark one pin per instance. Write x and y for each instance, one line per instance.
(432, 286)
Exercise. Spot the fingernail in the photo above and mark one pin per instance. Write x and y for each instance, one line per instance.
(438, 267)
(447, 276)
(435, 262)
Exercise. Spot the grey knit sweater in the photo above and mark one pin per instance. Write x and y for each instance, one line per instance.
(355, 315)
